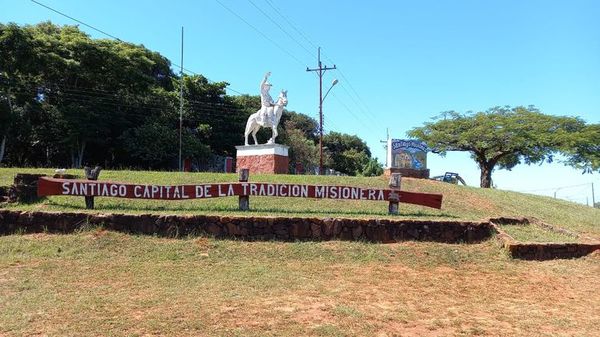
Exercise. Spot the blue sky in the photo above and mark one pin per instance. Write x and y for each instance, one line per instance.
(400, 62)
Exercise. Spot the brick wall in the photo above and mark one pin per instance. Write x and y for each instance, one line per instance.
(271, 163)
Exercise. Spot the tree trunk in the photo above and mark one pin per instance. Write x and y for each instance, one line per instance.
(77, 155)
(3, 144)
(2, 147)
(486, 176)
(80, 154)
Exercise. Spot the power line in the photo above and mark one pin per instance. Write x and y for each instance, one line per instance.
(366, 111)
(259, 31)
(353, 115)
(364, 108)
(118, 39)
(245, 21)
(343, 76)
(115, 95)
(291, 24)
(367, 118)
(206, 108)
(279, 26)
(554, 188)
(76, 20)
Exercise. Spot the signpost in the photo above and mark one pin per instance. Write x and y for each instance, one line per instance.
(408, 157)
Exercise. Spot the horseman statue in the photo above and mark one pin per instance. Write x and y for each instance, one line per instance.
(269, 114)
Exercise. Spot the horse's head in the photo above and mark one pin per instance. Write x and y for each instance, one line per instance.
(282, 99)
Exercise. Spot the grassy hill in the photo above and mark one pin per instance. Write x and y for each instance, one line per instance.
(460, 202)
(95, 282)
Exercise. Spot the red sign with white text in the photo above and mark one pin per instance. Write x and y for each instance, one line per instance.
(52, 186)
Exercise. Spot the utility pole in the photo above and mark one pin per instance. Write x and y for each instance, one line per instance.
(593, 197)
(181, 101)
(387, 138)
(320, 71)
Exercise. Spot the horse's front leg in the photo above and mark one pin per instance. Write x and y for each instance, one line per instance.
(273, 135)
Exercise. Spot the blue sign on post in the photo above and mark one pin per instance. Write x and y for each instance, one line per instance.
(407, 153)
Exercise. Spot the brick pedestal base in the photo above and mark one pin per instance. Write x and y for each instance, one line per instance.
(406, 172)
(264, 158)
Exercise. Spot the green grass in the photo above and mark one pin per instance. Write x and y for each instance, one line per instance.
(96, 282)
(460, 202)
(104, 283)
(533, 233)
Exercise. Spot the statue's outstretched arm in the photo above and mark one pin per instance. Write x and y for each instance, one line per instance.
(265, 79)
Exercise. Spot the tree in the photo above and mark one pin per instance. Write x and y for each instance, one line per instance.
(584, 151)
(16, 63)
(63, 93)
(500, 137)
(204, 103)
(372, 168)
(349, 153)
(302, 149)
(301, 122)
(155, 145)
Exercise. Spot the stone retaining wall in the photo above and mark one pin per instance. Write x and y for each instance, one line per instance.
(4, 193)
(541, 250)
(550, 251)
(251, 228)
(291, 229)
(24, 188)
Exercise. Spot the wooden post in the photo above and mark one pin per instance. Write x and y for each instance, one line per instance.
(395, 180)
(24, 188)
(244, 200)
(91, 174)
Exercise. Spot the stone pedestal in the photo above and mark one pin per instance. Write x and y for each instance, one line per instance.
(263, 158)
(407, 172)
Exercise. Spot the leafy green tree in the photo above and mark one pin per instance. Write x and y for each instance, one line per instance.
(205, 103)
(151, 144)
(298, 121)
(74, 92)
(302, 149)
(584, 151)
(500, 137)
(372, 168)
(155, 145)
(349, 154)
(17, 62)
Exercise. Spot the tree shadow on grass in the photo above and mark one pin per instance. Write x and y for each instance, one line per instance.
(259, 211)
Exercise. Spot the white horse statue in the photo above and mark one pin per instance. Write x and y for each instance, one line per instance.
(271, 120)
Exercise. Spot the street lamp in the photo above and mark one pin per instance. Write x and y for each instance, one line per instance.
(321, 126)
(327, 93)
